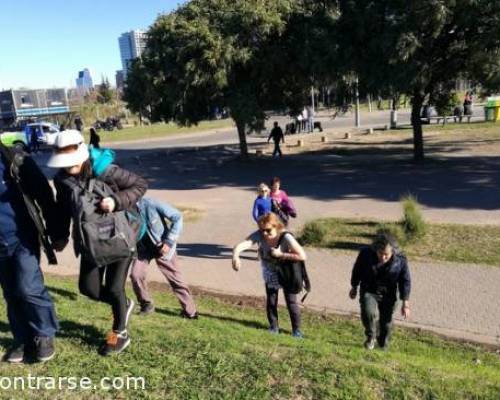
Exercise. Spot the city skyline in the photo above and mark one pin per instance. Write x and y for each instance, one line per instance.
(45, 45)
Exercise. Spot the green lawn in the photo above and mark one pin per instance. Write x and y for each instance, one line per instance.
(443, 242)
(228, 354)
(158, 130)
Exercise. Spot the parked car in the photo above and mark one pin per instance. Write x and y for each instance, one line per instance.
(45, 132)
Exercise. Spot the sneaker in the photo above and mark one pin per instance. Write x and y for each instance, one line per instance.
(146, 308)
(369, 344)
(184, 314)
(116, 342)
(130, 308)
(274, 331)
(15, 354)
(297, 334)
(383, 344)
(44, 348)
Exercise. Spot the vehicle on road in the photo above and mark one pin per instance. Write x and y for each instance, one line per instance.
(21, 139)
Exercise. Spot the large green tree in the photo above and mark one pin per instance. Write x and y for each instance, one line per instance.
(419, 47)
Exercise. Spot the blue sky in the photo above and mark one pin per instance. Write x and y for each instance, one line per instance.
(44, 43)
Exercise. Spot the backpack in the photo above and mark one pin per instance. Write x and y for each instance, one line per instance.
(102, 237)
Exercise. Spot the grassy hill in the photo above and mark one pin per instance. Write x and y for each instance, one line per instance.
(228, 354)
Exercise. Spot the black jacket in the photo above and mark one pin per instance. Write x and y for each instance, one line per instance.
(128, 189)
(386, 279)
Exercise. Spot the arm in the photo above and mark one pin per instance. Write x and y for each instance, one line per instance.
(63, 198)
(295, 250)
(175, 217)
(255, 211)
(131, 188)
(270, 136)
(356, 275)
(404, 286)
(238, 249)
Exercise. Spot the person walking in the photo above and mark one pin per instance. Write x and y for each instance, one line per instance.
(281, 204)
(277, 136)
(24, 192)
(275, 245)
(34, 144)
(95, 139)
(468, 103)
(380, 270)
(262, 204)
(158, 241)
(79, 176)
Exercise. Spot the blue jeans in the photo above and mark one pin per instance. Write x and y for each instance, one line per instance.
(29, 307)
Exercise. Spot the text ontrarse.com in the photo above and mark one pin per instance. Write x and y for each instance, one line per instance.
(32, 382)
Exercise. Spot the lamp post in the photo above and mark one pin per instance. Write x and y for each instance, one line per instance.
(357, 115)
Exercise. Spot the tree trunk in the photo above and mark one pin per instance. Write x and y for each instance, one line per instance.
(243, 138)
(418, 139)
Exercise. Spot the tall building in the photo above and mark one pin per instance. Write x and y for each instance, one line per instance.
(84, 82)
(132, 44)
(119, 79)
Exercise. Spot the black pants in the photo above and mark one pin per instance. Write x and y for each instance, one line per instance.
(277, 149)
(272, 308)
(370, 302)
(107, 284)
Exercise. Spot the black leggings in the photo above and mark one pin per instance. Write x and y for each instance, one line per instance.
(107, 284)
(272, 308)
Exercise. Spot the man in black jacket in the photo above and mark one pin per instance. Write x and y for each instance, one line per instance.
(23, 191)
(381, 270)
(277, 136)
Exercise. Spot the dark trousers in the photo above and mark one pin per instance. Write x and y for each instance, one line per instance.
(272, 308)
(277, 149)
(30, 309)
(107, 284)
(370, 302)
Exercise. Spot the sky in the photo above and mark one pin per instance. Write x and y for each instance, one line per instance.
(44, 43)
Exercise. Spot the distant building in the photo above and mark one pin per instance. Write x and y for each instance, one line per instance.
(84, 82)
(22, 104)
(119, 80)
(132, 44)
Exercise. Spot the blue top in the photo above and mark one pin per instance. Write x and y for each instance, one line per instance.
(261, 206)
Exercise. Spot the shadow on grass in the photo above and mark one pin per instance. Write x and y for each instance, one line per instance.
(88, 334)
(62, 292)
(211, 251)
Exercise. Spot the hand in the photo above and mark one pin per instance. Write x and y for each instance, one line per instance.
(236, 263)
(164, 249)
(276, 253)
(353, 293)
(405, 310)
(59, 244)
(107, 204)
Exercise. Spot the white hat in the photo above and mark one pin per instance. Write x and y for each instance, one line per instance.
(62, 157)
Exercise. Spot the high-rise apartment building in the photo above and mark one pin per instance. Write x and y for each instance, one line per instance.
(132, 45)
(84, 82)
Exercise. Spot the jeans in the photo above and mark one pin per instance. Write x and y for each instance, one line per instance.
(107, 284)
(272, 308)
(277, 149)
(30, 309)
(370, 302)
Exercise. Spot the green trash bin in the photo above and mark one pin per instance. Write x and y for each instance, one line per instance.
(489, 113)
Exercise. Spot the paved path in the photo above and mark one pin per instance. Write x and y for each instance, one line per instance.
(457, 300)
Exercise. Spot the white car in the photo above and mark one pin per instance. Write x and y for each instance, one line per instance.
(46, 132)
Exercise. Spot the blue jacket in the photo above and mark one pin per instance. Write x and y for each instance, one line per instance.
(163, 223)
(261, 206)
(386, 279)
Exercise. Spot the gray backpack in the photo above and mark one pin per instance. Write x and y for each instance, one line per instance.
(101, 237)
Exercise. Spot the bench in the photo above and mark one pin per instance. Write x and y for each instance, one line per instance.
(447, 118)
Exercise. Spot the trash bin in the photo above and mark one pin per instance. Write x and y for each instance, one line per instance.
(492, 109)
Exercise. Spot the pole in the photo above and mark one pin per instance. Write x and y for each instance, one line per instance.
(311, 121)
(357, 117)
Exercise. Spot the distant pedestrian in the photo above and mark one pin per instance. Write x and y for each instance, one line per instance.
(275, 245)
(262, 204)
(34, 143)
(380, 270)
(298, 122)
(95, 139)
(304, 119)
(158, 241)
(277, 136)
(79, 123)
(281, 204)
(310, 119)
(468, 103)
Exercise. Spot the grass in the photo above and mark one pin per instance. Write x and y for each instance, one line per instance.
(228, 354)
(190, 214)
(158, 131)
(442, 242)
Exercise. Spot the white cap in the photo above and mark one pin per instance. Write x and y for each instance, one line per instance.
(64, 159)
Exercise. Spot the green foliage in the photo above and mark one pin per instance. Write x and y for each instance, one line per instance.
(414, 226)
(445, 102)
(105, 94)
(313, 233)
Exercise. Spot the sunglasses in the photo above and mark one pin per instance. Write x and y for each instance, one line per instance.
(267, 230)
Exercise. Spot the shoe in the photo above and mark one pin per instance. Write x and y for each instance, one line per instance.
(146, 308)
(116, 342)
(44, 348)
(15, 354)
(130, 308)
(184, 314)
(274, 331)
(369, 344)
(383, 344)
(297, 334)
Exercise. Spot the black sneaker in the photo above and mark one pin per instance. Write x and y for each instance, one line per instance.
(15, 354)
(184, 314)
(130, 308)
(44, 348)
(115, 343)
(146, 308)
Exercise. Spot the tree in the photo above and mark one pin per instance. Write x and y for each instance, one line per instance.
(138, 91)
(105, 94)
(420, 47)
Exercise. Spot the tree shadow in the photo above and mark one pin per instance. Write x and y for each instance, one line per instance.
(207, 250)
(62, 292)
(88, 334)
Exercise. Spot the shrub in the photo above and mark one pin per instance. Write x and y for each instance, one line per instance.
(413, 224)
(392, 229)
(313, 233)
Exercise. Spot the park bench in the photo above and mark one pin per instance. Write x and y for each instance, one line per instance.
(454, 118)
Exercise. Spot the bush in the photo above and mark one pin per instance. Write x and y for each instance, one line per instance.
(413, 224)
(445, 103)
(313, 233)
(396, 231)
